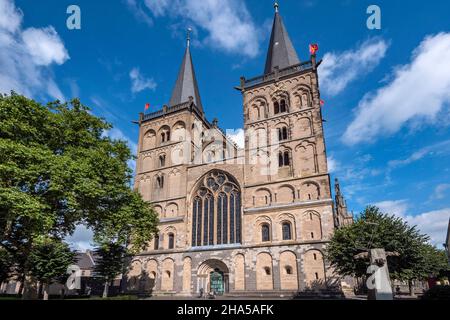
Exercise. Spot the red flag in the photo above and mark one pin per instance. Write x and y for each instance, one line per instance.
(147, 106)
(322, 103)
(313, 48)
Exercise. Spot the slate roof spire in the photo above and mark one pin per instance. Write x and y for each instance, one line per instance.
(281, 52)
(186, 85)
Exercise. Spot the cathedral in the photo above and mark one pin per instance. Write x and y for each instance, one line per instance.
(239, 221)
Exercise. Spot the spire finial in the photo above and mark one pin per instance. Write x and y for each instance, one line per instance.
(276, 6)
(188, 37)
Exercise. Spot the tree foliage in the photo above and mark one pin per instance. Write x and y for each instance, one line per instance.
(59, 169)
(49, 260)
(109, 263)
(374, 229)
(433, 262)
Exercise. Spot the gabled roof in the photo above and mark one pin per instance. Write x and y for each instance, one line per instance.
(281, 52)
(85, 260)
(186, 85)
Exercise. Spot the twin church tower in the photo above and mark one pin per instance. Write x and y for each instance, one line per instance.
(238, 221)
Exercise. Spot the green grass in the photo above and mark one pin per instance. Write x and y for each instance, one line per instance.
(9, 298)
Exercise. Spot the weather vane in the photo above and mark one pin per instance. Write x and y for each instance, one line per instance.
(276, 6)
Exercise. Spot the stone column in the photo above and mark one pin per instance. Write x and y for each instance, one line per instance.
(250, 272)
(301, 273)
(276, 274)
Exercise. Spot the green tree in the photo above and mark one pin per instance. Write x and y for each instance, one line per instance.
(432, 262)
(374, 229)
(59, 169)
(48, 262)
(109, 263)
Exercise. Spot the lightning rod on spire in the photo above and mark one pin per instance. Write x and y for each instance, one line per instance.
(188, 37)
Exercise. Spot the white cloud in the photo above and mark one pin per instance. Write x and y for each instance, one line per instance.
(82, 239)
(432, 223)
(417, 93)
(139, 12)
(434, 149)
(338, 70)
(440, 191)
(11, 17)
(237, 136)
(228, 23)
(139, 82)
(333, 164)
(397, 207)
(26, 56)
(45, 46)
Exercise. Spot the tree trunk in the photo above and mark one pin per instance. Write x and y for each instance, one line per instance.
(40, 287)
(411, 288)
(22, 285)
(45, 289)
(105, 290)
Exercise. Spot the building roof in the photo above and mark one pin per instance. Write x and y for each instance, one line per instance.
(85, 260)
(186, 85)
(281, 52)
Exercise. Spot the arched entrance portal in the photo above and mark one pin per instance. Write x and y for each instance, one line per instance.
(213, 275)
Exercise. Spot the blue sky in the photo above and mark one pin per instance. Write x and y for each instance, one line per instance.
(387, 91)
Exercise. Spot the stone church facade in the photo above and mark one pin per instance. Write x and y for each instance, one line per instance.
(239, 221)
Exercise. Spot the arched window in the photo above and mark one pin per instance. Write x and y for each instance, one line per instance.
(160, 182)
(276, 107)
(171, 241)
(284, 159)
(265, 233)
(218, 201)
(283, 106)
(162, 160)
(282, 134)
(165, 134)
(287, 234)
(196, 222)
(156, 242)
(287, 159)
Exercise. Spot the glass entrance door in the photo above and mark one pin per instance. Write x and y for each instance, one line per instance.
(217, 282)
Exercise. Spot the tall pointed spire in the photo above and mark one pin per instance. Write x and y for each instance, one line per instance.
(186, 85)
(281, 52)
